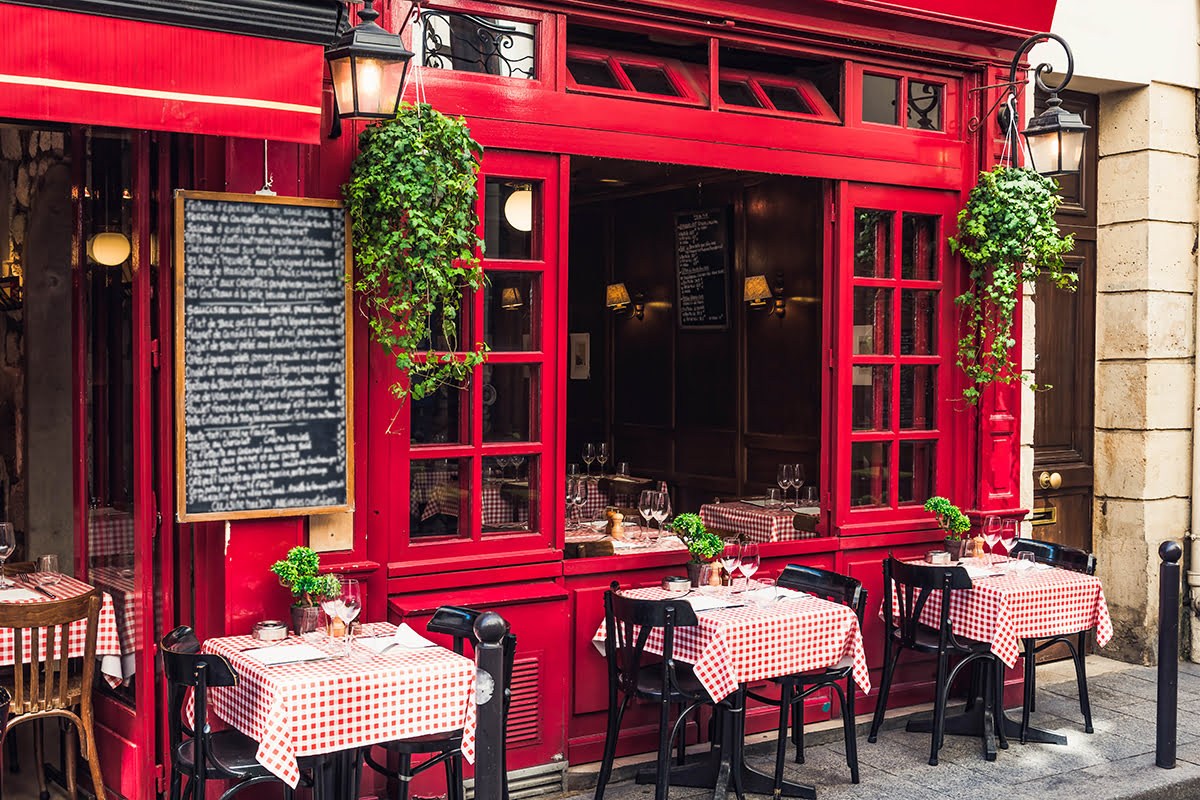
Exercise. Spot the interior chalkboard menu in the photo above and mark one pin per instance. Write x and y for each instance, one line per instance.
(702, 267)
(262, 351)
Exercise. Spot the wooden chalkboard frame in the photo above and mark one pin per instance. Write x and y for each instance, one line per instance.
(181, 513)
(721, 213)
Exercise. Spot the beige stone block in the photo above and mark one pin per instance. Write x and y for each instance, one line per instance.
(1147, 184)
(1143, 255)
(1144, 325)
(1173, 119)
(1142, 465)
(1124, 124)
(1137, 395)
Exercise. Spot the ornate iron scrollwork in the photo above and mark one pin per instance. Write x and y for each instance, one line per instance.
(475, 44)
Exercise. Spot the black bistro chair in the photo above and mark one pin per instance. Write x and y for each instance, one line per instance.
(634, 674)
(446, 748)
(203, 755)
(1076, 560)
(793, 689)
(912, 585)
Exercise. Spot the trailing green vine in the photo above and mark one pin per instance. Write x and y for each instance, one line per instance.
(1008, 236)
(412, 198)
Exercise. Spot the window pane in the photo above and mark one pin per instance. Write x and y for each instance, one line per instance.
(916, 471)
(508, 391)
(438, 492)
(512, 211)
(873, 243)
(738, 93)
(438, 418)
(446, 331)
(869, 469)
(918, 247)
(508, 493)
(924, 106)
(918, 308)
(509, 299)
(445, 40)
(879, 99)
(872, 321)
(592, 73)
(651, 80)
(918, 387)
(872, 398)
(785, 98)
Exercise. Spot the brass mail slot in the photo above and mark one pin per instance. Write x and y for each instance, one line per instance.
(1044, 516)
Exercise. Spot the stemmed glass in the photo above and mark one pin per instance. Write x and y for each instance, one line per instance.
(783, 476)
(646, 507)
(749, 561)
(1008, 536)
(731, 556)
(991, 533)
(503, 462)
(517, 461)
(333, 601)
(797, 479)
(349, 609)
(660, 508)
(602, 456)
(589, 455)
(570, 503)
(8, 542)
(581, 497)
(572, 470)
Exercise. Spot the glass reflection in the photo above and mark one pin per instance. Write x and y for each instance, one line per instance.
(916, 471)
(508, 392)
(872, 321)
(870, 464)
(872, 398)
(439, 418)
(918, 247)
(917, 391)
(873, 243)
(917, 310)
(509, 492)
(509, 300)
(437, 496)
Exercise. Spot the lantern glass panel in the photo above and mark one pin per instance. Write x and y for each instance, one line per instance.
(1044, 151)
(378, 85)
(1072, 150)
(343, 84)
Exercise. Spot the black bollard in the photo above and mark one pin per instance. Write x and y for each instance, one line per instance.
(490, 630)
(1168, 654)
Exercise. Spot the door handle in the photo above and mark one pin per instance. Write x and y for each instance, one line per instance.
(1050, 480)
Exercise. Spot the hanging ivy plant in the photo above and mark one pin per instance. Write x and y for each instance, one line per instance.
(412, 198)
(1008, 236)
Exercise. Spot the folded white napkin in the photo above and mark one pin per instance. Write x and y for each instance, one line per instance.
(766, 594)
(1023, 566)
(702, 602)
(975, 572)
(16, 594)
(405, 638)
(280, 653)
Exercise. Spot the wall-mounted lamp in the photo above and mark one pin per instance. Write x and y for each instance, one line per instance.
(616, 297)
(758, 294)
(368, 66)
(510, 299)
(518, 208)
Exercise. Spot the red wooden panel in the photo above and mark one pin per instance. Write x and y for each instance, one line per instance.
(120, 761)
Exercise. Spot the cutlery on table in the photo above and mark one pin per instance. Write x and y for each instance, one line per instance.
(36, 587)
(304, 661)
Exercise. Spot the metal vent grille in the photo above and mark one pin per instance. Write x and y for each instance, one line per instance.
(525, 711)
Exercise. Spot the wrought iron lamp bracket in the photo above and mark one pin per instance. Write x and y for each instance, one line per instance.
(1016, 90)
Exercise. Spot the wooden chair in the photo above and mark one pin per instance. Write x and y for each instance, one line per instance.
(913, 584)
(14, 759)
(793, 689)
(1076, 560)
(47, 685)
(631, 675)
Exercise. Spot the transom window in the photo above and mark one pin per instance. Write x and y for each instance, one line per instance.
(469, 43)
(906, 101)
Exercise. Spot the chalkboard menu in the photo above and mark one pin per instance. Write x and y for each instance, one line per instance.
(262, 351)
(702, 267)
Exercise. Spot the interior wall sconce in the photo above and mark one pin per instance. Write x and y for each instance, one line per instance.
(759, 294)
(617, 298)
(510, 299)
(518, 208)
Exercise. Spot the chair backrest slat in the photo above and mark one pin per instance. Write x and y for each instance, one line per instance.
(629, 622)
(1057, 555)
(826, 584)
(914, 584)
(41, 649)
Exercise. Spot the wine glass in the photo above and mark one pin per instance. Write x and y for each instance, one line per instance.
(503, 462)
(349, 608)
(666, 493)
(572, 470)
(660, 507)
(8, 542)
(332, 601)
(1008, 535)
(783, 476)
(602, 456)
(991, 532)
(517, 461)
(581, 496)
(646, 506)
(47, 573)
(749, 561)
(589, 455)
(731, 556)
(570, 503)
(798, 477)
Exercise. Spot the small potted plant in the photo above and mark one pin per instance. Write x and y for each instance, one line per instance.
(952, 520)
(701, 543)
(299, 572)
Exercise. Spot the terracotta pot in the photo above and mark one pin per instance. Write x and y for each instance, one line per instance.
(693, 571)
(298, 613)
(954, 548)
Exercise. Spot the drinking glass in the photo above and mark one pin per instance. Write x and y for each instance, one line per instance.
(783, 476)
(810, 496)
(349, 609)
(660, 507)
(517, 461)
(1008, 535)
(749, 561)
(766, 594)
(570, 502)
(666, 493)
(773, 498)
(589, 455)
(798, 477)
(572, 470)
(731, 556)
(1025, 555)
(331, 602)
(646, 506)
(991, 532)
(502, 461)
(8, 541)
(581, 496)
(312, 627)
(970, 549)
(623, 469)
(710, 578)
(602, 456)
(48, 573)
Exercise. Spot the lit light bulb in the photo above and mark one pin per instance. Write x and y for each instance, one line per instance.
(518, 210)
(109, 249)
(370, 78)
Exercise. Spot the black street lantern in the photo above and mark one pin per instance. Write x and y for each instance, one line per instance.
(1055, 137)
(368, 66)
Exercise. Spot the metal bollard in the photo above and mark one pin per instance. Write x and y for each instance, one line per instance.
(490, 778)
(1168, 654)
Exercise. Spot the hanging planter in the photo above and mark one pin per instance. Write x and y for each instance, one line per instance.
(1008, 236)
(412, 198)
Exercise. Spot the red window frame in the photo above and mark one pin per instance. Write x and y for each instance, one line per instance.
(677, 74)
(545, 30)
(951, 102)
(899, 201)
(822, 111)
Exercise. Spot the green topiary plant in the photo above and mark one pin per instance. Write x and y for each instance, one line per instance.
(700, 542)
(299, 572)
(1008, 236)
(413, 198)
(950, 517)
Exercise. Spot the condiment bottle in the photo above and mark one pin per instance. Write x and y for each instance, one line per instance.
(616, 524)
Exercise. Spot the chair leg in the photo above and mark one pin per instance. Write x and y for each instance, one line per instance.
(405, 770)
(14, 758)
(1085, 704)
(615, 712)
(998, 710)
(176, 790)
(973, 688)
(87, 741)
(939, 710)
(848, 719)
(68, 742)
(798, 729)
(39, 759)
(885, 686)
(1027, 688)
(785, 698)
(681, 757)
(662, 780)
(1033, 687)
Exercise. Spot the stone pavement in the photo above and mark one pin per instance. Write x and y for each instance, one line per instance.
(1114, 763)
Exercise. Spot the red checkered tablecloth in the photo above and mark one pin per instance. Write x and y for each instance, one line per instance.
(732, 646)
(296, 710)
(118, 582)
(756, 524)
(107, 641)
(497, 509)
(110, 533)
(1028, 604)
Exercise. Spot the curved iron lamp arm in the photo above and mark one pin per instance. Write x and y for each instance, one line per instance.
(1015, 89)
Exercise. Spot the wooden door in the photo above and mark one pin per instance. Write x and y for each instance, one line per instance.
(1066, 349)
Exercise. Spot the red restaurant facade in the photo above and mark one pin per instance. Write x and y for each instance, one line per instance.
(874, 113)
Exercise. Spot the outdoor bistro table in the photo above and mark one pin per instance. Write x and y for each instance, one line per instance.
(756, 523)
(732, 647)
(108, 646)
(1019, 603)
(328, 707)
